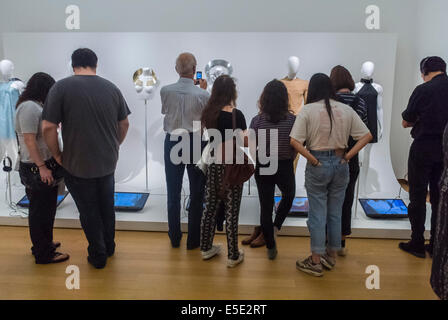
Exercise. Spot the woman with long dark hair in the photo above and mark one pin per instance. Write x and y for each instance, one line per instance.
(35, 169)
(326, 125)
(344, 85)
(218, 115)
(274, 115)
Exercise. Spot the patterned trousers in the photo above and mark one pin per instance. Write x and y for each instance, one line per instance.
(232, 201)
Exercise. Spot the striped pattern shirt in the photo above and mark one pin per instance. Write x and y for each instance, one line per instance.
(360, 107)
(285, 151)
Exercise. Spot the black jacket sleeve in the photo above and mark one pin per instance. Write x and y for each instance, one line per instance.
(417, 103)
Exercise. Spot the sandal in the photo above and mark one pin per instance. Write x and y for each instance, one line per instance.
(57, 258)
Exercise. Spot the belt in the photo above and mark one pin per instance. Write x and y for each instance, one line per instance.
(329, 153)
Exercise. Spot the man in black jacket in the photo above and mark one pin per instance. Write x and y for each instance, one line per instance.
(427, 114)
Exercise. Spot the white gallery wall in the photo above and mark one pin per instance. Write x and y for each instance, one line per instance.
(256, 59)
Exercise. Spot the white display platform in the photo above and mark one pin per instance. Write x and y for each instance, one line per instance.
(154, 216)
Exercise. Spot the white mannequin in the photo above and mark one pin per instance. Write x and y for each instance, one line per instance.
(146, 91)
(9, 147)
(7, 73)
(367, 71)
(293, 67)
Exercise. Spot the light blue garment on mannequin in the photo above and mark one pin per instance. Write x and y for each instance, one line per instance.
(8, 100)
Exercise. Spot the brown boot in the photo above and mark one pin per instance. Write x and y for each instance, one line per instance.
(247, 241)
(259, 242)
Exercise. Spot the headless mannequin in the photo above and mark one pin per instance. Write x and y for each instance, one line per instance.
(367, 71)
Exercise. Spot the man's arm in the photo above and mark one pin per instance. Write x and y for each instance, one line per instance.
(50, 133)
(123, 127)
(406, 124)
(417, 101)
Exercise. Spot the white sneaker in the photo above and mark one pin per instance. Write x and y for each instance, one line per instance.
(233, 263)
(215, 250)
(342, 252)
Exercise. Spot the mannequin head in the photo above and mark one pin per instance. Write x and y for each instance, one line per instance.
(6, 69)
(293, 66)
(367, 70)
(84, 62)
(186, 65)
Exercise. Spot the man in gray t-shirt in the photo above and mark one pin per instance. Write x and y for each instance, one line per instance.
(93, 115)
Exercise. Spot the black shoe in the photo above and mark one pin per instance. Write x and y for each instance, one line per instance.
(193, 246)
(429, 249)
(55, 245)
(418, 251)
(57, 258)
(97, 264)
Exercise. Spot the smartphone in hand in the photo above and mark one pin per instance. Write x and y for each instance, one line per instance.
(198, 77)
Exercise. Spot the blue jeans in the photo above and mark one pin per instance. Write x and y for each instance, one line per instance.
(325, 186)
(174, 174)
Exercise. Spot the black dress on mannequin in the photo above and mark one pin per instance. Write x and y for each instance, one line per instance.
(369, 94)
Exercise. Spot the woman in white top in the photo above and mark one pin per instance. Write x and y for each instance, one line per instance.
(325, 126)
(35, 169)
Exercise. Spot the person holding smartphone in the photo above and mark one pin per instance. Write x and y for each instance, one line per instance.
(182, 104)
(35, 169)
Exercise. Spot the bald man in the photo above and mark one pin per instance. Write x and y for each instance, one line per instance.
(182, 103)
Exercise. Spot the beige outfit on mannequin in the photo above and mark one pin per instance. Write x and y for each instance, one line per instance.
(297, 93)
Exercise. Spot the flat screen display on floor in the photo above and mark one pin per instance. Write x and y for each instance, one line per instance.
(130, 201)
(25, 203)
(384, 208)
(300, 206)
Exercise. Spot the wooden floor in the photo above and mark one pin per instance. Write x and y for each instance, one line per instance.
(145, 267)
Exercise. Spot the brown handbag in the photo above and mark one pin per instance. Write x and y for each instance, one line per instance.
(236, 174)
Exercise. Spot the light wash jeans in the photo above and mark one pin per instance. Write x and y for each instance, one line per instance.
(325, 186)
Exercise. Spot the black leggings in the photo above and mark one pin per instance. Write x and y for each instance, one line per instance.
(346, 219)
(41, 214)
(284, 178)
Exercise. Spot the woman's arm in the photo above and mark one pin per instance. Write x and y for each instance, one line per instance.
(298, 146)
(361, 143)
(31, 145)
